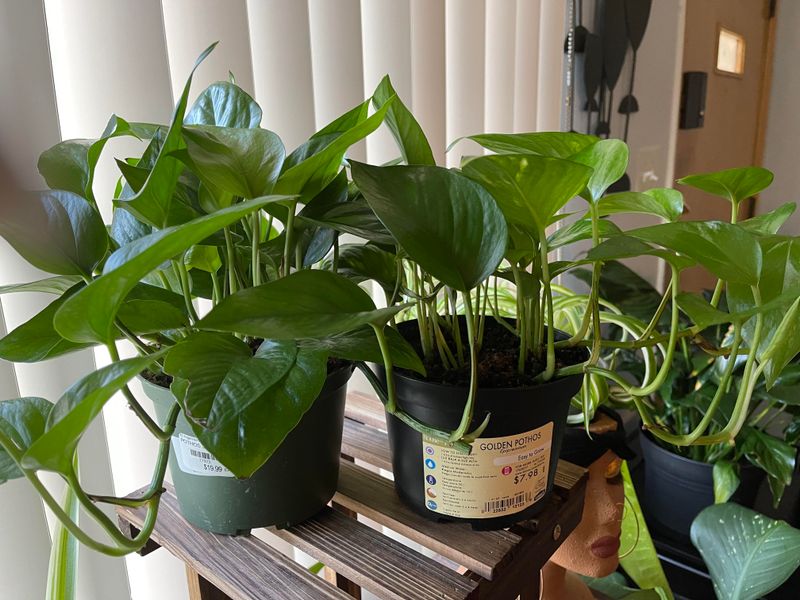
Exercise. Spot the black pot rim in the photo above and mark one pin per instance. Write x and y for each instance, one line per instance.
(648, 439)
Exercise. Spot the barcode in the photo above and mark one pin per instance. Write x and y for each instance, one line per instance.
(504, 504)
(199, 454)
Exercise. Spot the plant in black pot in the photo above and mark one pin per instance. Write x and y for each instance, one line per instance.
(239, 414)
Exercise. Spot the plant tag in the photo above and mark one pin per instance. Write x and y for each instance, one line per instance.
(194, 459)
(501, 476)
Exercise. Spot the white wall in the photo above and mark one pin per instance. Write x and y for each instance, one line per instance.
(783, 125)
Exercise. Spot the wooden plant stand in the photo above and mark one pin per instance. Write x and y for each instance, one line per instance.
(498, 565)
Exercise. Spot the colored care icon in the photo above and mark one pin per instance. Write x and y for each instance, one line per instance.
(432, 505)
(430, 479)
(429, 450)
(431, 493)
(429, 463)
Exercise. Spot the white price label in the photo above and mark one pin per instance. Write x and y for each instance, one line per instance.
(194, 459)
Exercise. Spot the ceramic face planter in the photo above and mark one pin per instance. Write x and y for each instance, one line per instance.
(592, 549)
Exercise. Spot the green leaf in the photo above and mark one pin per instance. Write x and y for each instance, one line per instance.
(769, 223)
(354, 217)
(700, 311)
(310, 176)
(642, 564)
(614, 587)
(362, 345)
(285, 308)
(608, 160)
(728, 251)
(51, 285)
(56, 231)
(733, 184)
(661, 202)
(224, 376)
(245, 443)
(423, 206)
(36, 339)
(747, 554)
(530, 190)
(405, 129)
(621, 246)
(726, 480)
(205, 258)
(225, 105)
(556, 144)
(784, 345)
(23, 421)
(88, 316)
(76, 409)
(243, 162)
(152, 203)
(774, 456)
(362, 262)
(581, 230)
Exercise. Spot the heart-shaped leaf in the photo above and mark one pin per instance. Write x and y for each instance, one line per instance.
(556, 144)
(88, 316)
(608, 160)
(772, 455)
(769, 223)
(726, 480)
(224, 376)
(784, 345)
(529, 189)
(243, 162)
(152, 203)
(224, 104)
(405, 129)
(310, 176)
(423, 206)
(733, 184)
(581, 230)
(56, 231)
(728, 251)
(76, 409)
(748, 555)
(51, 285)
(308, 303)
(661, 202)
(362, 345)
(245, 442)
(361, 262)
(23, 421)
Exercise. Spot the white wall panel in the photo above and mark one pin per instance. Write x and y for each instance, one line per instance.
(526, 65)
(190, 26)
(428, 86)
(281, 56)
(465, 45)
(552, 29)
(500, 63)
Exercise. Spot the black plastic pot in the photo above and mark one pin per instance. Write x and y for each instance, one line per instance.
(525, 422)
(676, 488)
(293, 485)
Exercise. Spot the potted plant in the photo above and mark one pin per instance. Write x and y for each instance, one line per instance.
(242, 413)
(682, 480)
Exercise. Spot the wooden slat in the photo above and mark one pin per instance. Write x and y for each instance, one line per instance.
(244, 567)
(365, 408)
(372, 446)
(374, 561)
(366, 443)
(373, 496)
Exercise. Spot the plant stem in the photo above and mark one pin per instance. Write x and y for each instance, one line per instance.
(231, 266)
(183, 277)
(548, 294)
(469, 408)
(287, 245)
(255, 240)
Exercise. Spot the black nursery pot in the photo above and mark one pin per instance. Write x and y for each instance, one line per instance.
(676, 488)
(292, 486)
(509, 473)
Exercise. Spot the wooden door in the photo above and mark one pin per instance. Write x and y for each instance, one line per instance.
(735, 114)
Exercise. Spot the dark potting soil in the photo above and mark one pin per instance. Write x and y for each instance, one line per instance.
(497, 358)
(164, 380)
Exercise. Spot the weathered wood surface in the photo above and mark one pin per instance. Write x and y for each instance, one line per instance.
(242, 567)
(375, 561)
(501, 565)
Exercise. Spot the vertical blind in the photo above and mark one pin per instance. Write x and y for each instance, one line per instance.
(464, 67)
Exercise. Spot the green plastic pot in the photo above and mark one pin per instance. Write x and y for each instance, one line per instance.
(293, 485)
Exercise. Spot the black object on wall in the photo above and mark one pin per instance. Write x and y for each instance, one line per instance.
(693, 99)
